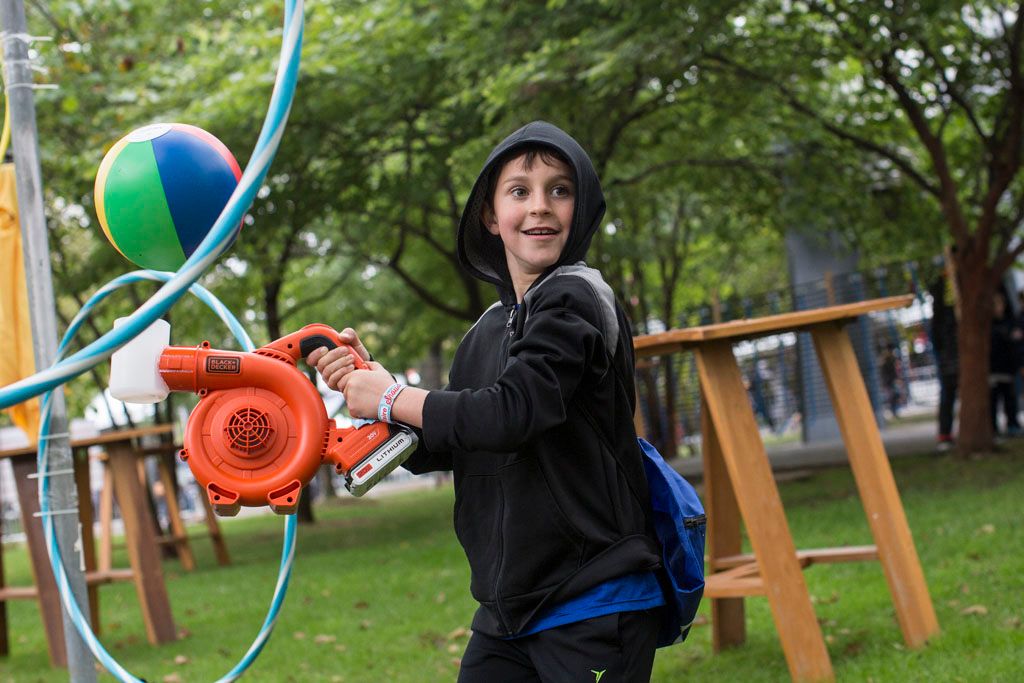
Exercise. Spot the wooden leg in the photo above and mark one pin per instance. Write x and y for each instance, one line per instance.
(181, 542)
(106, 560)
(152, 516)
(878, 492)
(220, 548)
(143, 552)
(85, 517)
(758, 497)
(728, 615)
(49, 598)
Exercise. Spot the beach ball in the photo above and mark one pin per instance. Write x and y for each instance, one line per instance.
(159, 191)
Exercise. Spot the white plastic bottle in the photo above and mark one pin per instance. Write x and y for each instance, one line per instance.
(135, 367)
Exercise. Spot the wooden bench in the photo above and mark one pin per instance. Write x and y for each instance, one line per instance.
(738, 486)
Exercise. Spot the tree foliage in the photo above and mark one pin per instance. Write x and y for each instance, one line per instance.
(715, 126)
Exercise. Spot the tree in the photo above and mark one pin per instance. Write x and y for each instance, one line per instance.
(932, 94)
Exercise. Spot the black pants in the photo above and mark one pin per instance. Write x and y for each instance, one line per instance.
(1007, 392)
(617, 648)
(947, 397)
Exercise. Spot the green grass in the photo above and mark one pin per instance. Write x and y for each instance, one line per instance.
(379, 592)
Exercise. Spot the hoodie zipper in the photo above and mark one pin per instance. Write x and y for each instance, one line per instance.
(502, 618)
(510, 330)
(510, 325)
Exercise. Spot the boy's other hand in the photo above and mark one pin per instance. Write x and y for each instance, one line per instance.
(338, 362)
(349, 337)
(363, 389)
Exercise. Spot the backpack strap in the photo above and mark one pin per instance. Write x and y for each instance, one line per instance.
(610, 330)
(602, 293)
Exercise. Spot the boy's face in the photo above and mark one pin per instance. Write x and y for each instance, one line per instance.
(532, 215)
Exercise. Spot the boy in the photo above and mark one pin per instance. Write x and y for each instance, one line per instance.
(537, 425)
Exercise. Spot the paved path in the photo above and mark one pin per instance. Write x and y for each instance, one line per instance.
(907, 439)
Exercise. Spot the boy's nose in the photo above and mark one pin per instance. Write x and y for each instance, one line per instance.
(540, 206)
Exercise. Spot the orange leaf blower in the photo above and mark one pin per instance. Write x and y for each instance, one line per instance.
(260, 429)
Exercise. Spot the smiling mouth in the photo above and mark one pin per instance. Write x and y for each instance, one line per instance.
(540, 232)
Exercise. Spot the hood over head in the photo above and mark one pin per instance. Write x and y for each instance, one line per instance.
(482, 253)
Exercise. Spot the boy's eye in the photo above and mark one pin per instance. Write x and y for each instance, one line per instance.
(518, 191)
(561, 191)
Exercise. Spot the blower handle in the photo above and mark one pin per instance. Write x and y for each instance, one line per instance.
(311, 344)
(298, 345)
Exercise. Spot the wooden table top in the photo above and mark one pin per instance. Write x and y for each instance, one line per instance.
(100, 439)
(747, 328)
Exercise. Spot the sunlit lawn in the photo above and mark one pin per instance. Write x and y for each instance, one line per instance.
(379, 592)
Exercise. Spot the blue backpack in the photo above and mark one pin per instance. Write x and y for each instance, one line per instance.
(680, 525)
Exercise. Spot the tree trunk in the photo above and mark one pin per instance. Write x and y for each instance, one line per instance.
(273, 312)
(974, 277)
(324, 477)
(648, 378)
(431, 376)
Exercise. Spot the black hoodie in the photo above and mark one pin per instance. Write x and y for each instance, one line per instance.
(537, 420)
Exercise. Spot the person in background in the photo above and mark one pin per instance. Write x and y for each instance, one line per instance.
(944, 330)
(757, 384)
(1019, 347)
(890, 371)
(1004, 365)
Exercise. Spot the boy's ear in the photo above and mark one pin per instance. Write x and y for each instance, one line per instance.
(488, 218)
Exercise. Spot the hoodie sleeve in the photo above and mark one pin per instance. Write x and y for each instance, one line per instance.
(423, 460)
(560, 344)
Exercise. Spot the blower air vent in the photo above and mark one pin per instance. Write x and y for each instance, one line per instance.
(248, 430)
(276, 355)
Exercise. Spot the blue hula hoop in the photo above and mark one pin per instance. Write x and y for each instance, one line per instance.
(175, 285)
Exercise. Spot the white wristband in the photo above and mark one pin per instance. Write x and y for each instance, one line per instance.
(387, 401)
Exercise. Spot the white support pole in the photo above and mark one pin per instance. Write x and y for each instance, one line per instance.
(18, 80)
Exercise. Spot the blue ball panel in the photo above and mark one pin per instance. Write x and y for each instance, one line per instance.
(197, 181)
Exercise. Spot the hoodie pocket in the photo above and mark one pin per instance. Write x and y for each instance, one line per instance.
(478, 525)
(541, 545)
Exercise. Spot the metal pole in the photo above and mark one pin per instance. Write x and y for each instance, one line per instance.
(42, 307)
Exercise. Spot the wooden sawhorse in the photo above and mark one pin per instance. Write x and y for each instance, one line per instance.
(143, 552)
(738, 483)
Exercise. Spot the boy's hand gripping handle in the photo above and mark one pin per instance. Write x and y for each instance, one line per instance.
(298, 345)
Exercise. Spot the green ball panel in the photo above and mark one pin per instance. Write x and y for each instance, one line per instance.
(137, 213)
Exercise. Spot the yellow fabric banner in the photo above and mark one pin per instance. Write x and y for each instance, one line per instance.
(16, 359)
